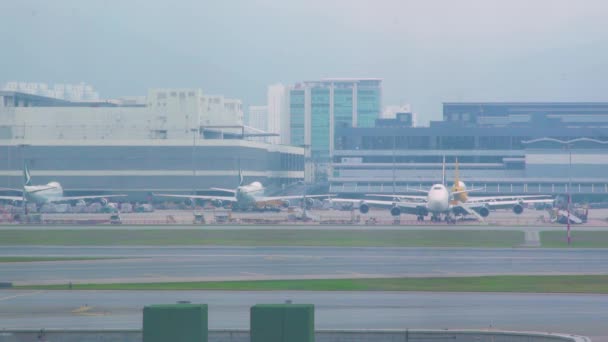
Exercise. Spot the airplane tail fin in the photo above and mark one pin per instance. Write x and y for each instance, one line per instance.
(27, 178)
(443, 172)
(456, 174)
(241, 178)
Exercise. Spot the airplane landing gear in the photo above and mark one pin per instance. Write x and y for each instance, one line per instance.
(450, 220)
(420, 218)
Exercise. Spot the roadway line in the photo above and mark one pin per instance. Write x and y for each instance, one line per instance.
(21, 295)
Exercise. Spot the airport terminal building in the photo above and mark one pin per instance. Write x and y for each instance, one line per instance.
(176, 140)
(502, 147)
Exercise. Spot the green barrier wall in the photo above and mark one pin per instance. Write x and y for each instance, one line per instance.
(175, 323)
(283, 323)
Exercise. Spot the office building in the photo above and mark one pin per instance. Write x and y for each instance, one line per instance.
(278, 114)
(318, 108)
(501, 147)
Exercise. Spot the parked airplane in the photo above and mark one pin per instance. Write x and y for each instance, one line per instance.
(49, 193)
(439, 200)
(245, 196)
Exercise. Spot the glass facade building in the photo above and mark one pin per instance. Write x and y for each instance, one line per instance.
(318, 108)
(296, 122)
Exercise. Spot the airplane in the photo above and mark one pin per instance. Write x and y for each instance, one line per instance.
(245, 196)
(440, 200)
(49, 193)
(461, 194)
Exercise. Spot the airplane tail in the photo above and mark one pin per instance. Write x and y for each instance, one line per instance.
(241, 178)
(443, 172)
(27, 178)
(456, 174)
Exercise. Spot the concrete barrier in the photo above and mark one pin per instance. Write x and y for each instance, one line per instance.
(412, 335)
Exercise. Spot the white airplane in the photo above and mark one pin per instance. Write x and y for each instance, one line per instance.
(439, 200)
(245, 196)
(49, 193)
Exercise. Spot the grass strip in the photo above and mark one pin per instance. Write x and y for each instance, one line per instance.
(523, 283)
(267, 237)
(580, 239)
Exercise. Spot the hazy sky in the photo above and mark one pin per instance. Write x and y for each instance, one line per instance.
(427, 51)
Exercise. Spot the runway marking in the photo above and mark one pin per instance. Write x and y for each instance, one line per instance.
(85, 310)
(82, 309)
(21, 295)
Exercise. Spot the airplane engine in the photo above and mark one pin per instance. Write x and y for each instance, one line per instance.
(422, 211)
(285, 204)
(103, 201)
(363, 208)
(81, 203)
(518, 209)
(395, 211)
(484, 212)
(188, 201)
(217, 203)
(310, 202)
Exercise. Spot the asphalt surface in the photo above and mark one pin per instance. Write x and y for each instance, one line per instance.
(300, 226)
(579, 314)
(152, 264)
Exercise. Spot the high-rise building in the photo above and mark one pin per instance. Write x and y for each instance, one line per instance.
(257, 118)
(318, 108)
(278, 113)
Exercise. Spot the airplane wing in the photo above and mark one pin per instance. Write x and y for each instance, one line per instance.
(12, 198)
(232, 191)
(406, 207)
(475, 199)
(267, 199)
(202, 197)
(11, 189)
(498, 204)
(400, 197)
(38, 189)
(418, 190)
(78, 198)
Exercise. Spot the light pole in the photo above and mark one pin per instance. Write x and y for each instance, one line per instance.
(394, 176)
(194, 131)
(569, 188)
(22, 149)
(306, 160)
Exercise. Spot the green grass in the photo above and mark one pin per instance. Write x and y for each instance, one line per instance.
(583, 239)
(534, 284)
(35, 259)
(266, 237)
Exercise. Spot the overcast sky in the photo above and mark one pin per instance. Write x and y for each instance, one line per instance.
(427, 51)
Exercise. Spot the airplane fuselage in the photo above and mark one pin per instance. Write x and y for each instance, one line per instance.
(247, 195)
(41, 194)
(438, 199)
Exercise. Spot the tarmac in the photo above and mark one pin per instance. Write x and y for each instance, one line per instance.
(567, 313)
(194, 263)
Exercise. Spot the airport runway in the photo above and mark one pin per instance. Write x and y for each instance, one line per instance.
(579, 314)
(300, 226)
(149, 264)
